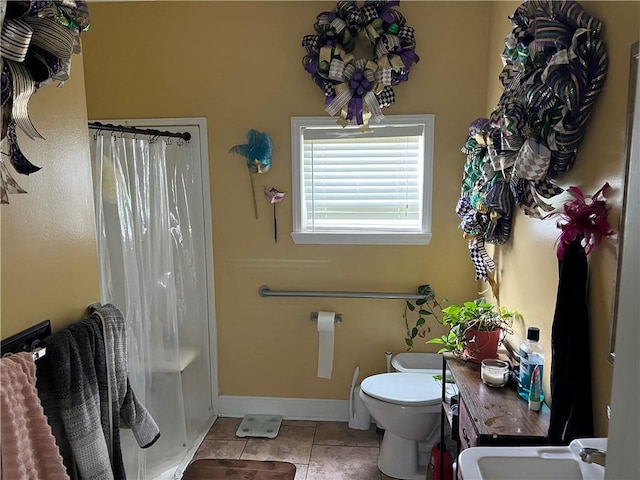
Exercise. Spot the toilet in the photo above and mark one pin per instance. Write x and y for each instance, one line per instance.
(407, 405)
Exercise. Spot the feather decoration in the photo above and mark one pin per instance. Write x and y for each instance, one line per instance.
(257, 153)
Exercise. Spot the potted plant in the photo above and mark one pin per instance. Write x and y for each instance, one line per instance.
(475, 329)
(422, 308)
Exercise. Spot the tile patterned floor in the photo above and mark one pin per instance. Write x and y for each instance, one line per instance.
(320, 450)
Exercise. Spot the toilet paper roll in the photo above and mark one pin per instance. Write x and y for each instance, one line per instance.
(326, 326)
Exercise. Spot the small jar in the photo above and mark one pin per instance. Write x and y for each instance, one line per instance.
(495, 373)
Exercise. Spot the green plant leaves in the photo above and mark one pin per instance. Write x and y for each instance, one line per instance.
(427, 305)
(473, 315)
(439, 340)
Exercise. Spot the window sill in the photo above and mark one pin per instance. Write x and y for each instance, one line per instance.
(306, 238)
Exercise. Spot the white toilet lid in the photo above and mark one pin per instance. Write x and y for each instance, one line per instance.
(403, 388)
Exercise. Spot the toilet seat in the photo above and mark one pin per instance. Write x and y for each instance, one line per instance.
(410, 389)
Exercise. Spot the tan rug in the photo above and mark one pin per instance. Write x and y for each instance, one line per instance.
(213, 469)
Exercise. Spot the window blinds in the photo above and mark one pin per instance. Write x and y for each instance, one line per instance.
(363, 181)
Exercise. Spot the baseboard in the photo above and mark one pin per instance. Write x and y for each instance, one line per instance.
(289, 408)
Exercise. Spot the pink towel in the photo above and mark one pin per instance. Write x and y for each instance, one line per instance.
(29, 450)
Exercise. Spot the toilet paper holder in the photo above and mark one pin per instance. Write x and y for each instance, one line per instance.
(314, 317)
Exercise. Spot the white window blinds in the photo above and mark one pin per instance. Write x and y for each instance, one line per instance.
(362, 182)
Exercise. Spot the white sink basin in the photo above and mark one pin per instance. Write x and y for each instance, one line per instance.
(531, 463)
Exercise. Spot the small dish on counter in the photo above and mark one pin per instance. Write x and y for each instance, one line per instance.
(494, 373)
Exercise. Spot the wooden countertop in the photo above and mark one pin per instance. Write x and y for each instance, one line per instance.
(497, 412)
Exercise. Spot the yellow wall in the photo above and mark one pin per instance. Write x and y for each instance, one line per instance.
(239, 65)
(243, 71)
(49, 262)
(527, 264)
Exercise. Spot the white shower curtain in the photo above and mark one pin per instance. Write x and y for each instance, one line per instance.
(146, 260)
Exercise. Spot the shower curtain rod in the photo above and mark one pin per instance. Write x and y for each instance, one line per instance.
(140, 131)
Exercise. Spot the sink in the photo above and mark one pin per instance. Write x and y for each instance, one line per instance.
(531, 463)
(529, 468)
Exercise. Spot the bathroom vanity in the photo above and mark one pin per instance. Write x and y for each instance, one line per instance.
(493, 416)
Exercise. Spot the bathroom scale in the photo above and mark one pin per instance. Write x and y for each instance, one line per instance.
(253, 425)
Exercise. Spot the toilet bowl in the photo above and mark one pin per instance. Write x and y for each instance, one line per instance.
(407, 405)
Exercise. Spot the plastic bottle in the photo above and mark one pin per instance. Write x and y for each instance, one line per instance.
(531, 354)
(535, 389)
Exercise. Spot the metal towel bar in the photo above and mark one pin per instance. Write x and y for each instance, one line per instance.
(265, 291)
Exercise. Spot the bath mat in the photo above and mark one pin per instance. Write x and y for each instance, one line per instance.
(259, 426)
(210, 469)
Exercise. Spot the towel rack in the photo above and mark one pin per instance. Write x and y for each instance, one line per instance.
(27, 341)
(265, 291)
(38, 353)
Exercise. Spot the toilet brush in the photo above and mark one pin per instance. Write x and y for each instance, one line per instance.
(356, 374)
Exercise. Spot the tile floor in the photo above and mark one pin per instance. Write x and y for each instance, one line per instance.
(320, 450)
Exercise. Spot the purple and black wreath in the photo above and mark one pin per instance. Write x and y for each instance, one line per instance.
(38, 40)
(358, 88)
(555, 65)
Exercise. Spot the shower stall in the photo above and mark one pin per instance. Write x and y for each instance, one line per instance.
(156, 264)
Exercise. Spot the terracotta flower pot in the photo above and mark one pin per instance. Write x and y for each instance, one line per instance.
(484, 346)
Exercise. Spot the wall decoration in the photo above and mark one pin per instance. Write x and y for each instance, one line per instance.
(274, 197)
(555, 65)
(486, 203)
(38, 39)
(357, 88)
(584, 220)
(257, 153)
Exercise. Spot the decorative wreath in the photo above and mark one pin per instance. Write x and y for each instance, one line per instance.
(555, 65)
(37, 40)
(360, 87)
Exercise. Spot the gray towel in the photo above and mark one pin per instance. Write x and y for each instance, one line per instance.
(125, 404)
(76, 379)
(72, 396)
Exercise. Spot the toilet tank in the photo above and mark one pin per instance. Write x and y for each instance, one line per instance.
(416, 362)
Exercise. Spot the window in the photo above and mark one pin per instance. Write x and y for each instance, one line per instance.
(354, 187)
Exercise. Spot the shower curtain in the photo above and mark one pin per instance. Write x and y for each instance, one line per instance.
(145, 255)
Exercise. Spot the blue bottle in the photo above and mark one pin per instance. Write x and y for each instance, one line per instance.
(531, 355)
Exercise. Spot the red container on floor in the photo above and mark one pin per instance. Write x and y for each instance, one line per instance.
(436, 469)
